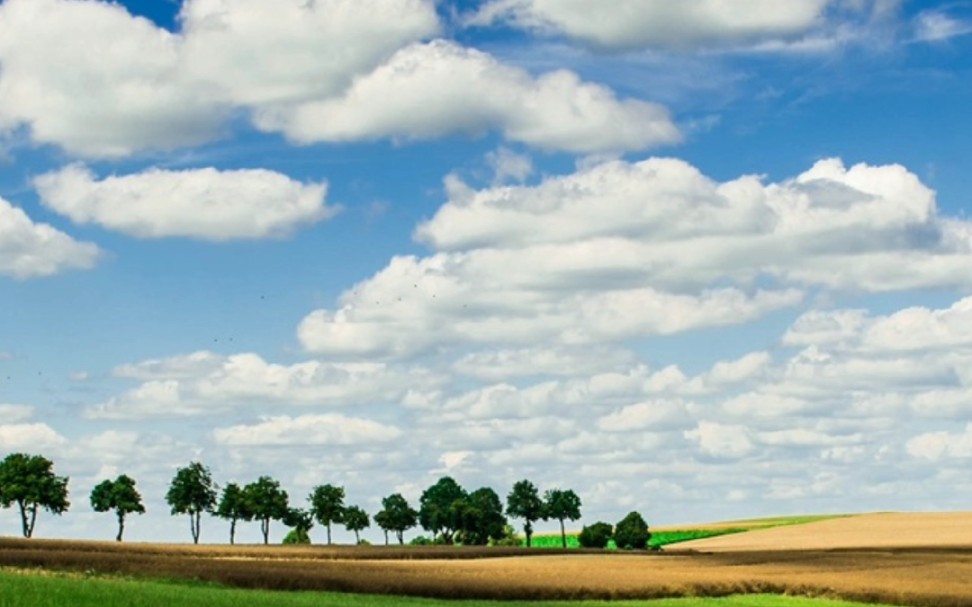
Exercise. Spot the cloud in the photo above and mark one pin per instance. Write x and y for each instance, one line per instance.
(434, 89)
(31, 250)
(28, 437)
(632, 24)
(328, 429)
(60, 77)
(207, 204)
(620, 251)
(933, 25)
(508, 166)
(940, 445)
(206, 383)
(721, 440)
(331, 70)
(15, 413)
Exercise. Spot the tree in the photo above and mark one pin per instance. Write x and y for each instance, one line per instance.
(327, 504)
(481, 517)
(524, 502)
(119, 495)
(562, 505)
(436, 512)
(29, 481)
(595, 536)
(266, 501)
(192, 492)
(301, 522)
(356, 520)
(232, 507)
(396, 515)
(632, 532)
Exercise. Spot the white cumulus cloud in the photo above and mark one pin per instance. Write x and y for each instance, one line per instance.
(29, 249)
(327, 429)
(207, 204)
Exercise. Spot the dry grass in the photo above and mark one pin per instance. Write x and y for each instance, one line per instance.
(918, 576)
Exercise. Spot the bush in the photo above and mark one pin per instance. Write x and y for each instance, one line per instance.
(509, 538)
(632, 532)
(595, 536)
(421, 540)
(297, 536)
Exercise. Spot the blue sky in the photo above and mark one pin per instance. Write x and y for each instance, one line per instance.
(702, 260)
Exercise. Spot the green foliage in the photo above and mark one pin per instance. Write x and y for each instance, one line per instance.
(509, 537)
(595, 536)
(421, 540)
(232, 507)
(396, 515)
(436, 511)
(29, 481)
(296, 537)
(631, 533)
(524, 502)
(265, 501)
(356, 519)
(299, 519)
(119, 495)
(562, 505)
(327, 504)
(192, 491)
(480, 517)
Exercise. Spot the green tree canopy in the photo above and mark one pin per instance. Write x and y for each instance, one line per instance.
(356, 520)
(327, 504)
(396, 515)
(632, 532)
(481, 517)
(265, 501)
(119, 495)
(192, 492)
(595, 536)
(232, 507)
(524, 502)
(562, 505)
(436, 512)
(301, 522)
(29, 481)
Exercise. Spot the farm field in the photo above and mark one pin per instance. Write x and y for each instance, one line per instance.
(921, 560)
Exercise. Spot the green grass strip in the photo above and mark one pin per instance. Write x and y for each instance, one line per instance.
(64, 590)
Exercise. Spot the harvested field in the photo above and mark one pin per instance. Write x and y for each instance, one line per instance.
(884, 530)
(902, 576)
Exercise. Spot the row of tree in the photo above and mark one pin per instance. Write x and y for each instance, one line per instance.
(446, 510)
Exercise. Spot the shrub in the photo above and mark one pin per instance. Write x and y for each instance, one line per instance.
(421, 540)
(509, 538)
(596, 535)
(297, 536)
(632, 532)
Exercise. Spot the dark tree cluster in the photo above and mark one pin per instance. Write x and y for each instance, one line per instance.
(631, 533)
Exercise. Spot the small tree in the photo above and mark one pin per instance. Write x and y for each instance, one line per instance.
(436, 510)
(119, 495)
(595, 536)
(232, 507)
(192, 492)
(29, 481)
(327, 504)
(301, 522)
(524, 502)
(632, 532)
(396, 515)
(356, 520)
(266, 501)
(481, 517)
(562, 505)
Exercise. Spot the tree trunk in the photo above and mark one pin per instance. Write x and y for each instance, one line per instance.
(329, 534)
(401, 537)
(265, 528)
(24, 524)
(528, 530)
(232, 531)
(357, 538)
(121, 525)
(386, 536)
(563, 534)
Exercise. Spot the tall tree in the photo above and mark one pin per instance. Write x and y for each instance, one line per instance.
(631, 533)
(436, 511)
(356, 520)
(29, 481)
(396, 515)
(265, 502)
(481, 516)
(192, 492)
(524, 502)
(119, 495)
(301, 522)
(562, 505)
(232, 507)
(327, 504)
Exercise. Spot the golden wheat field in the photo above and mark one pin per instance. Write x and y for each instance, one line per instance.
(928, 564)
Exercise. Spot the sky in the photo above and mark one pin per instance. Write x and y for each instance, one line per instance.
(703, 260)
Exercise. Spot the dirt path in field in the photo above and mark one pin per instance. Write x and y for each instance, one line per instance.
(885, 530)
